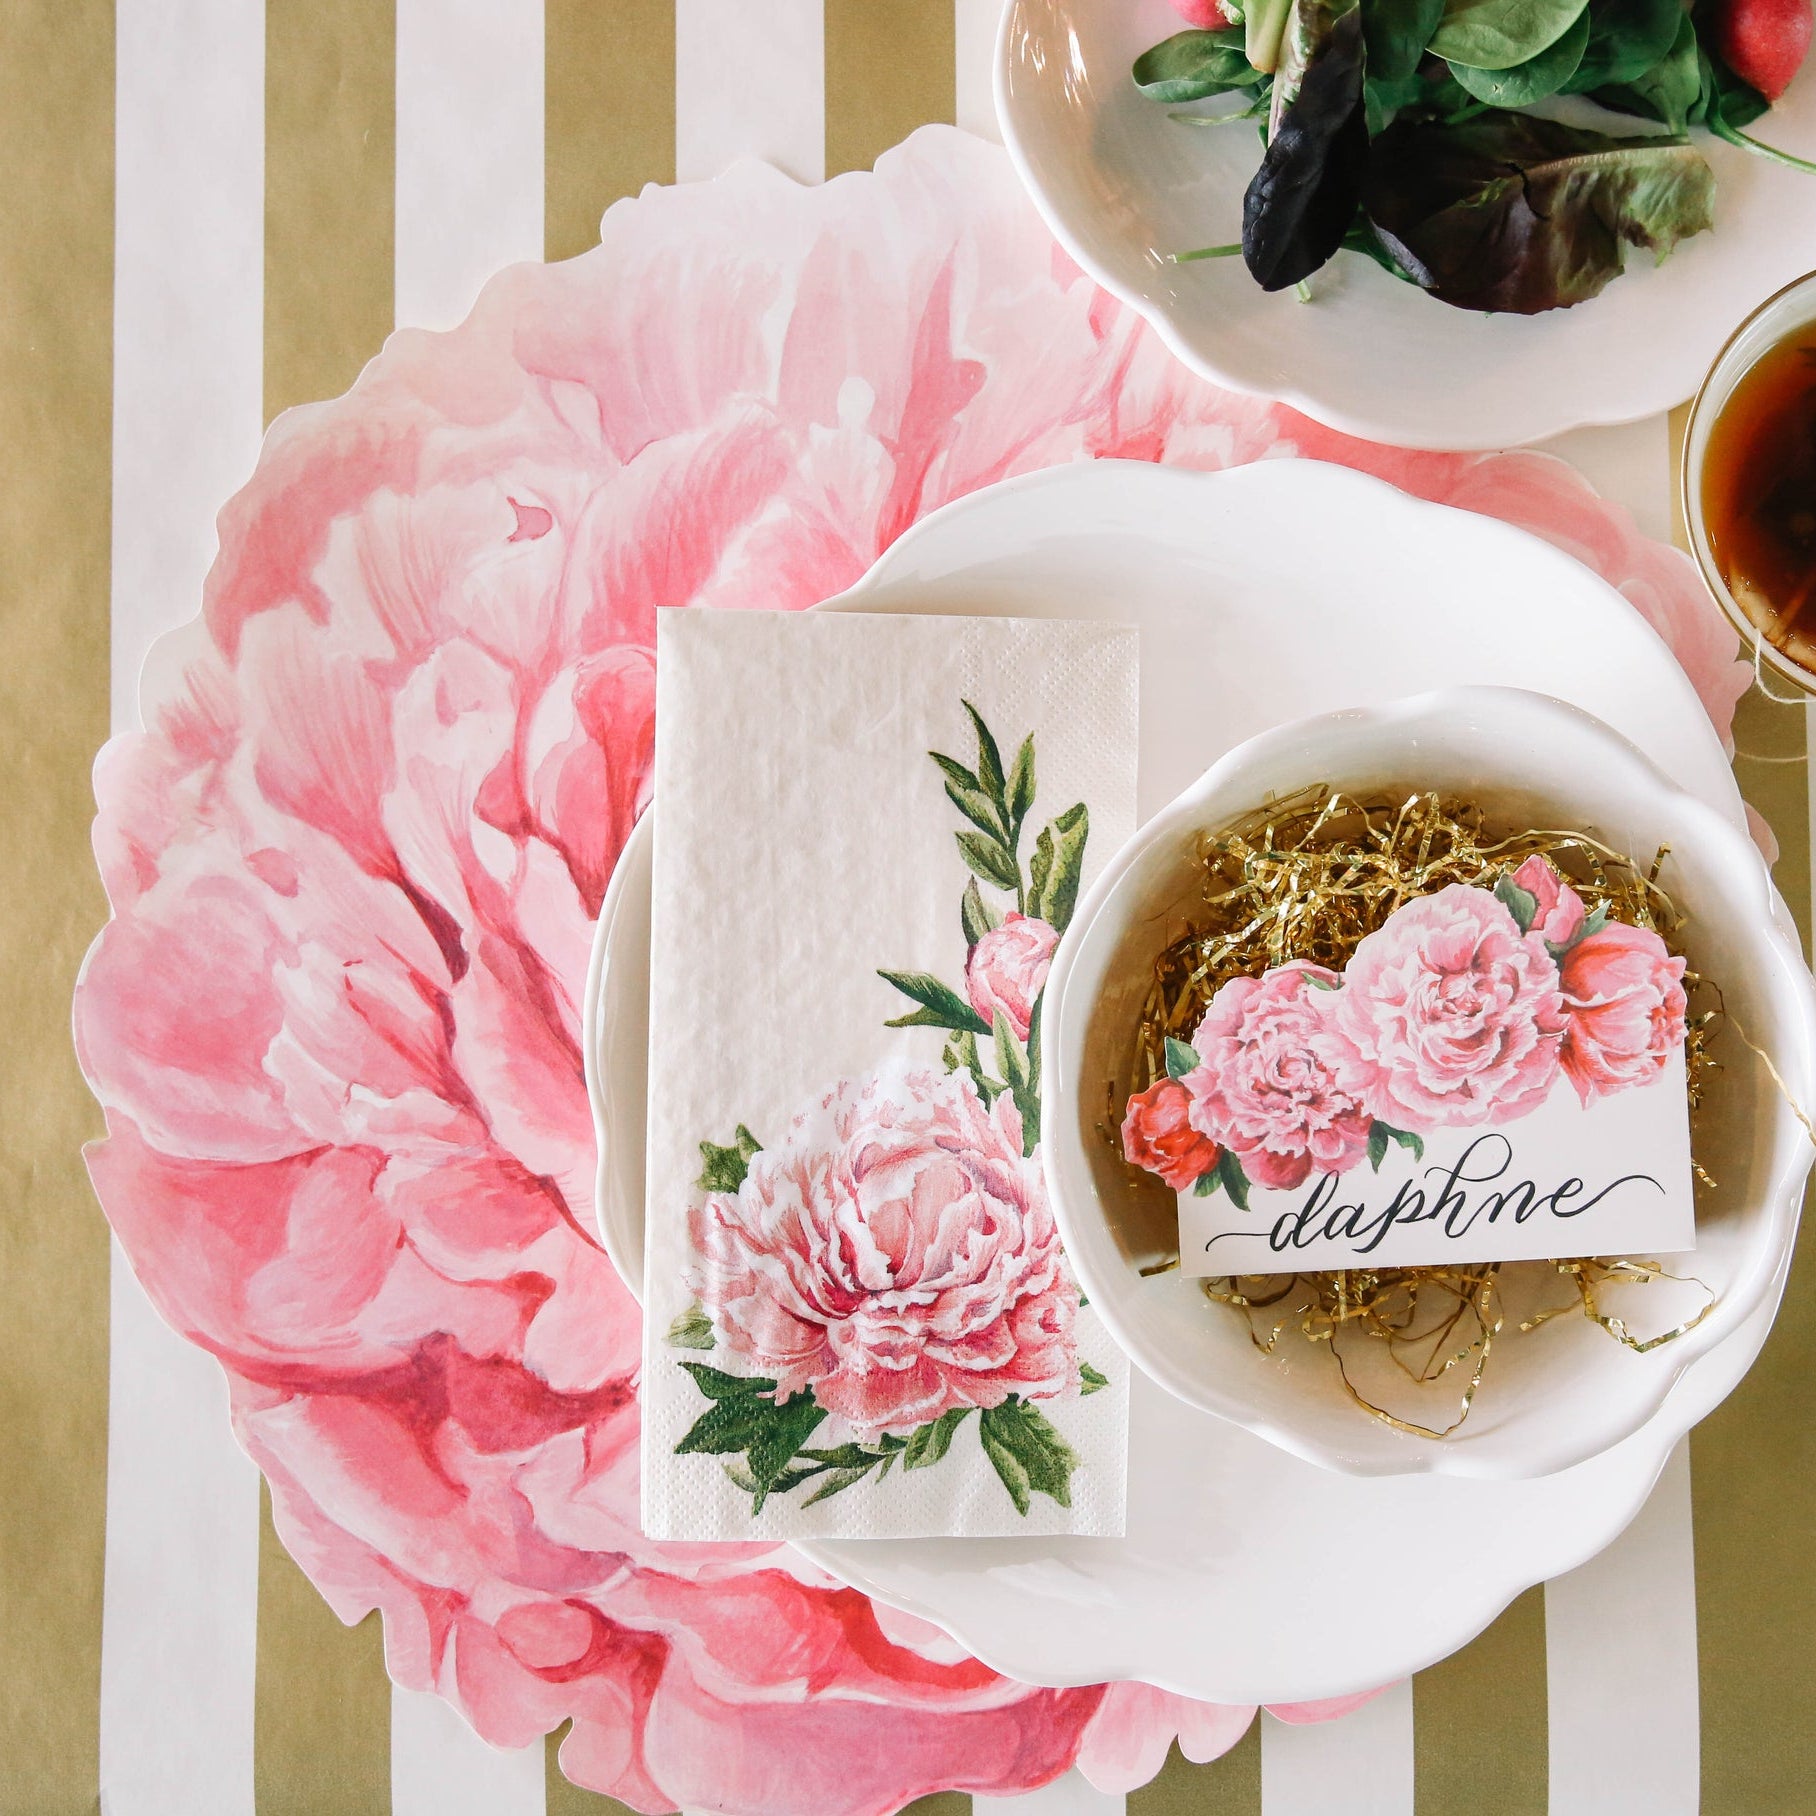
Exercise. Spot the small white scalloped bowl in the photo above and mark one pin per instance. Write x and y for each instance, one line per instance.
(1552, 1397)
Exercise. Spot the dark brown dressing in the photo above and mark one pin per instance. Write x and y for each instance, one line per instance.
(1759, 494)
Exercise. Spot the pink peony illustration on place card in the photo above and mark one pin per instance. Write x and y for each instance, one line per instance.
(354, 861)
(1467, 1009)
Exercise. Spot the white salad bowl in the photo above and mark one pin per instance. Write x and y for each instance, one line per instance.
(1551, 1397)
(1125, 187)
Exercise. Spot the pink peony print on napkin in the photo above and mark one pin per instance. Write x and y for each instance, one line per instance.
(380, 791)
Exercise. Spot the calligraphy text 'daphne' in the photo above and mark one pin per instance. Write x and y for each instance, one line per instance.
(1474, 1188)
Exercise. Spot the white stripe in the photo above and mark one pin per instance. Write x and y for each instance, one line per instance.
(1362, 1764)
(1072, 1795)
(189, 276)
(179, 1629)
(974, 24)
(469, 200)
(469, 150)
(440, 1767)
(750, 81)
(1640, 1687)
(1620, 1656)
(180, 1617)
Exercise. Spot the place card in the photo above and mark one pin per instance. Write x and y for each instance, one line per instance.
(871, 832)
(1495, 1075)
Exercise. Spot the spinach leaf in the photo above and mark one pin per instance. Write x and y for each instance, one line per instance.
(1669, 90)
(1532, 80)
(1263, 27)
(1193, 66)
(1497, 34)
(1726, 104)
(1384, 97)
(1725, 99)
(1626, 38)
(1434, 94)
(1396, 33)
(1303, 198)
(1511, 213)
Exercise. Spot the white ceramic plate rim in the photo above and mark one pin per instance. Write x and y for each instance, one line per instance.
(1697, 1394)
(1701, 1388)
(1021, 1653)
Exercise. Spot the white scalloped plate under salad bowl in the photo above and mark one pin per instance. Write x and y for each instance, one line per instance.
(1124, 187)
(1235, 1549)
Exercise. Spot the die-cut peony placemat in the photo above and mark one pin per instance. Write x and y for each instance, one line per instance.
(383, 786)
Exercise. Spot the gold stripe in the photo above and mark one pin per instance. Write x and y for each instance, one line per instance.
(889, 69)
(1479, 1728)
(1753, 1487)
(322, 1701)
(330, 193)
(56, 374)
(1677, 426)
(609, 112)
(1753, 1462)
(322, 1708)
(1230, 1786)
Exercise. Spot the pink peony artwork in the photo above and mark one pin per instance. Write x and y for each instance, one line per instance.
(1557, 914)
(355, 857)
(1451, 1014)
(1268, 1088)
(1007, 970)
(892, 1265)
(1624, 1008)
(1460, 1010)
(894, 1256)
(1158, 1136)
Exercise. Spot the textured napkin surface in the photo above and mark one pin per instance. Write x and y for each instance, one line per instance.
(806, 841)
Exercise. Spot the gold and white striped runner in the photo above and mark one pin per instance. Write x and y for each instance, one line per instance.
(213, 209)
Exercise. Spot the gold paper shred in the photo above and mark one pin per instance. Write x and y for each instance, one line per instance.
(1309, 877)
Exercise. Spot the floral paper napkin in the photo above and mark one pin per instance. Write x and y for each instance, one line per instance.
(871, 832)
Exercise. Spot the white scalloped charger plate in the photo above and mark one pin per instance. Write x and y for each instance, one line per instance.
(1124, 187)
(1235, 1549)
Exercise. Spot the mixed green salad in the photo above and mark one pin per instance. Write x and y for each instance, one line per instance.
(1400, 129)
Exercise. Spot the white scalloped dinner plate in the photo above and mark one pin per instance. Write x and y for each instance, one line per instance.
(1236, 1550)
(1124, 187)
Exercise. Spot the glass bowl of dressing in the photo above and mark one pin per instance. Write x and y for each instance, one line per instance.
(1749, 481)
